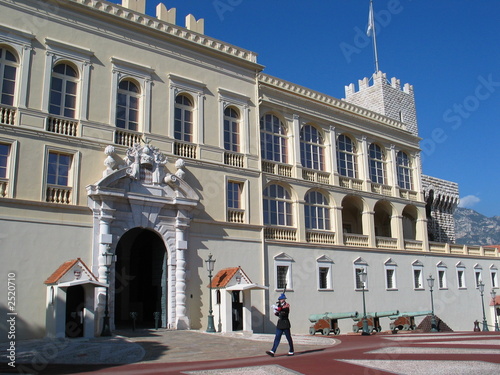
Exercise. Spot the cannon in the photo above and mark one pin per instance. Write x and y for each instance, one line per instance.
(406, 321)
(373, 320)
(328, 322)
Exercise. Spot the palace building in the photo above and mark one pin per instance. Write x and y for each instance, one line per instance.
(132, 149)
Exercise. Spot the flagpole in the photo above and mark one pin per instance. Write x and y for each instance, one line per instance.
(371, 27)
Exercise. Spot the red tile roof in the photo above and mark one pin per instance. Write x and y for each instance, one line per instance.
(223, 276)
(65, 267)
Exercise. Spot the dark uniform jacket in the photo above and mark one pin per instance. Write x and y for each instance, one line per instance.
(282, 313)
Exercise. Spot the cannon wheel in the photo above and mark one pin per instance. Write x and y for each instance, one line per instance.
(325, 331)
(337, 331)
(312, 331)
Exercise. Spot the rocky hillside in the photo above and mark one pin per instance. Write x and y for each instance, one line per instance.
(472, 228)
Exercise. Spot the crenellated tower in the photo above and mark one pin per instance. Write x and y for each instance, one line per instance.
(386, 98)
(389, 99)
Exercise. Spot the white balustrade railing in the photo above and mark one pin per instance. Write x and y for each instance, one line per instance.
(235, 215)
(386, 242)
(185, 150)
(352, 239)
(62, 126)
(58, 194)
(3, 187)
(313, 236)
(126, 138)
(7, 115)
(234, 159)
(282, 234)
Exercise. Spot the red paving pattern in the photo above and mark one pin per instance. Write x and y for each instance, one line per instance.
(354, 348)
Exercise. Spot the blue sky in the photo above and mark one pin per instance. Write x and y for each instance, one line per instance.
(449, 50)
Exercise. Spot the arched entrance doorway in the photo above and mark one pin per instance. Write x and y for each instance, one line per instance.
(140, 279)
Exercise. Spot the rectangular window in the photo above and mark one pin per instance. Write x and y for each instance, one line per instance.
(4, 159)
(282, 275)
(60, 177)
(234, 194)
(494, 281)
(442, 279)
(323, 277)
(359, 282)
(478, 278)
(390, 278)
(461, 278)
(58, 169)
(417, 278)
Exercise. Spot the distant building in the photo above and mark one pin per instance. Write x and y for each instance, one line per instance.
(131, 148)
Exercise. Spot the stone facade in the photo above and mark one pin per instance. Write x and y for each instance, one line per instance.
(174, 146)
(442, 199)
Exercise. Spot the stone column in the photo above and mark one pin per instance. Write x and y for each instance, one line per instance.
(364, 166)
(368, 219)
(339, 230)
(397, 230)
(181, 319)
(333, 157)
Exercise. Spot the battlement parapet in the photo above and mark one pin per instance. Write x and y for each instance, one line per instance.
(379, 80)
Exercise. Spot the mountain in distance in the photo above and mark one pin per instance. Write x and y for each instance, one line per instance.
(473, 228)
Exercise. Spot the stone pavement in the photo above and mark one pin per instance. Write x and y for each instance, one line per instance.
(152, 346)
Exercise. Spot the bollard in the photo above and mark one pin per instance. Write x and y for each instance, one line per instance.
(133, 315)
(476, 327)
(157, 315)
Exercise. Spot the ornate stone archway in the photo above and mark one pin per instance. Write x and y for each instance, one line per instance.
(139, 192)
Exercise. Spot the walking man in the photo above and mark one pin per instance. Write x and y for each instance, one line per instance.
(282, 310)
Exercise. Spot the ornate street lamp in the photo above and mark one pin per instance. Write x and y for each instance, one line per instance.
(108, 259)
(430, 282)
(362, 277)
(481, 290)
(210, 267)
(493, 296)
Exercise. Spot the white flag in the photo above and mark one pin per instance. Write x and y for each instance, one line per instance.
(371, 24)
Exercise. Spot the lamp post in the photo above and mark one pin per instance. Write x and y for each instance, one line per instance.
(481, 290)
(493, 296)
(430, 282)
(362, 277)
(108, 259)
(210, 267)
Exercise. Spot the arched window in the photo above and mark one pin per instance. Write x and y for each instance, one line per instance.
(183, 121)
(347, 157)
(377, 164)
(316, 211)
(63, 91)
(127, 106)
(311, 148)
(404, 171)
(231, 130)
(273, 139)
(277, 206)
(8, 68)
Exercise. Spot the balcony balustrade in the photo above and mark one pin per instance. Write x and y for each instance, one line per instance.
(3, 187)
(352, 239)
(127, 137)
(7, 115)
(234, 159)
(185, 150)
(386, 242)
(60, 125)
(235, 215)
(281, 234)
(58, 194)
(321, 237)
